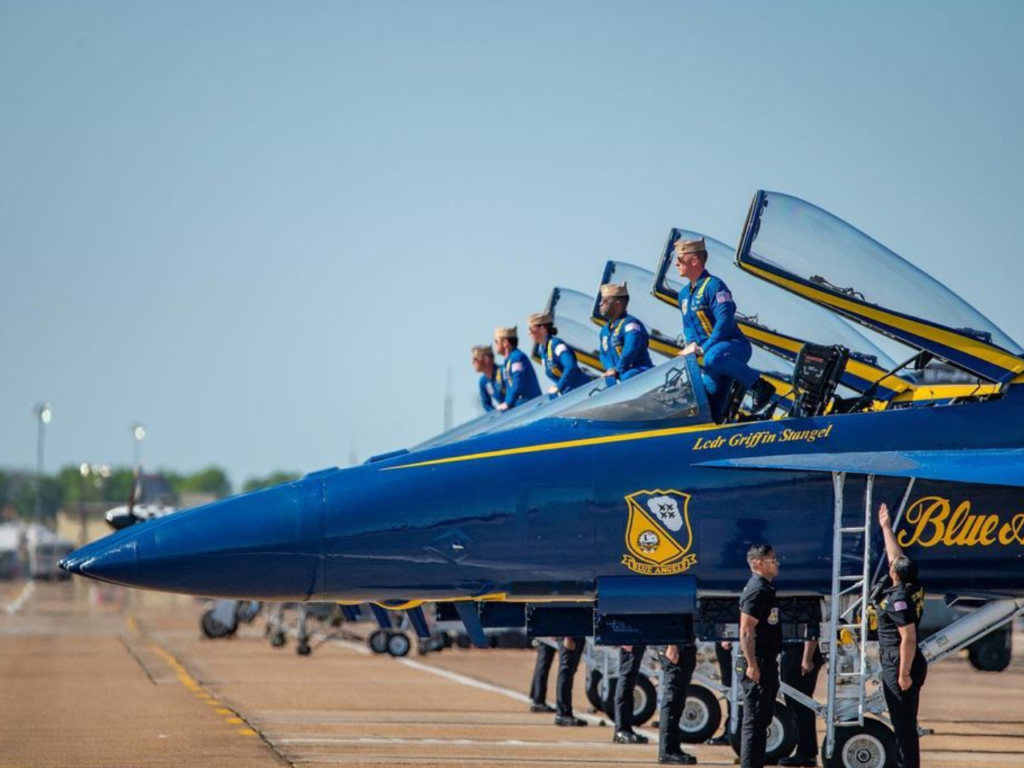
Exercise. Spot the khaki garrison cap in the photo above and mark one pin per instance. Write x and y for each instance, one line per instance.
(482, 350)
(613, 291)
(506, 333)
(691, 246)
(541, 318)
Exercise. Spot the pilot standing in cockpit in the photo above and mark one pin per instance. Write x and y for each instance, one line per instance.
(491, 384)
(520, 378)
(709, 327)
(559, 360)
(624, 339)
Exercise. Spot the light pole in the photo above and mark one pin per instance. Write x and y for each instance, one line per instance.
(138, 435)
(99, 472)
(43, 414)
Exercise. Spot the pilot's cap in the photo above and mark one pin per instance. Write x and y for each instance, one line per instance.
(540, 318)
(482, 350)
(691, 246)
(613, 291)
(502, 332)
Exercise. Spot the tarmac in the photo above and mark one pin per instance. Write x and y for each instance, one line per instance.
(103, 677)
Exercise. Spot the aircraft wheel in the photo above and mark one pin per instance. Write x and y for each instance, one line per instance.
(595, 695)
(277, 640)
(303, 649)
(992, 653)
(399, 645)
(212, 628)
(782, 735)
(702, 715)
(645, 700)
(872, 746)
(378, 641)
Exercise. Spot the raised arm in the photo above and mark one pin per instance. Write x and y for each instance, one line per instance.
(892, 549)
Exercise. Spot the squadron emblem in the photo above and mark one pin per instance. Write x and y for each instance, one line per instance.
(658, 534)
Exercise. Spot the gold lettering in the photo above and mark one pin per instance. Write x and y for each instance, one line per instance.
(1013, 530)
(929, 511)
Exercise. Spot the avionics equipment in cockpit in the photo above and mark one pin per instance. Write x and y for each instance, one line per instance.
(816, 375)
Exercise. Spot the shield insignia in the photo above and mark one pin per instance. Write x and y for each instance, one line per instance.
(658, 534)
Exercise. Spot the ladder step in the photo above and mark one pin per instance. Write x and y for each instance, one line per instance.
(851, 578)
(854, 529)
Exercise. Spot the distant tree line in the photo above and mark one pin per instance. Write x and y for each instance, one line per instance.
(68, 486)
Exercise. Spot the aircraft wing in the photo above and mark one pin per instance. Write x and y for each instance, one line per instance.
(988, 466)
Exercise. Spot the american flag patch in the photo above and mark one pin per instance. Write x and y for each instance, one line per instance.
(723, 297)
(632, 327)
(517, 367)
(899, 605)
(561, 349)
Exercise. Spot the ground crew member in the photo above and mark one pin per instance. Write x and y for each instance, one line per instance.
(541, 669)
(801, 663)
(760, 642)
(631, 658)
(492, 390)
(560, 362)
(570, 651)
(520, 380)
(904, 669)
(710, 330)
(624, 339)
(677, 664)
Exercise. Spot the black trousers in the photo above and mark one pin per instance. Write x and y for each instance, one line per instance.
(903, 705)
(758, 709)
(568, 662)
(724, 657)
(629, 671)
(792, 674)
(675, 681)
(541, 670)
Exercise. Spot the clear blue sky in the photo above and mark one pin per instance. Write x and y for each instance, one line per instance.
(268, 229)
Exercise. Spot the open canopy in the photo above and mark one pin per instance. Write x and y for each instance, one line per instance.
(808, 251)
(779, 323)
(571, 311)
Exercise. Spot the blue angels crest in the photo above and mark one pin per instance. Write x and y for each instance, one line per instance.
(658, 533)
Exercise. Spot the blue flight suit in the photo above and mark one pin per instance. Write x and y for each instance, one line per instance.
(492, 390)
(624, 347)
(520, 379)
(561, 366)
(709, 319)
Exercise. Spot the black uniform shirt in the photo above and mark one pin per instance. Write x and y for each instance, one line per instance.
(758, 600)
(901, 605)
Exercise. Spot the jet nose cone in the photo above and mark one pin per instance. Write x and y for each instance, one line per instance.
(117, 562)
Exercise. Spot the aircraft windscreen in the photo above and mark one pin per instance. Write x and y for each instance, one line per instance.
(795, 237)
(661, 394)
(759, 303)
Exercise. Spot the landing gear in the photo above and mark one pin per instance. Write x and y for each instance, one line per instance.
(991, 653)
(601, 696)
(389, 641)
(399, 645)
(701, 716)
(212, 628)
(871, 745)
(782, 735)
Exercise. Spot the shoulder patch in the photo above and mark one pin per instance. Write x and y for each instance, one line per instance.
(631, 327)
(561, 349)
(683, 305)
(723, 297)
(517, 367)
(899, 605)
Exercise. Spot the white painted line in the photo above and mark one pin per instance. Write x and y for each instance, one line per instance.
(26, 592)
(358, 648)
(451, 742)
(516, 695)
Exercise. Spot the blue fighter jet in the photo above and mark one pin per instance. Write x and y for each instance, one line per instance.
(625, 512)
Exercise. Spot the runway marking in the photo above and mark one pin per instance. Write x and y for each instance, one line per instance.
(452, 742)
(15, 605)
(361, 649)
(133, 626)
(507, 692)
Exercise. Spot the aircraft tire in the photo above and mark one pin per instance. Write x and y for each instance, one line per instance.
(782, 735)
(278, 639)
(212, 628)
(702, 715)
(872, 746)
(399, 645)
(594, 695)
(991, 653)
(378, 641)
(303, 649)
(645, 700)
